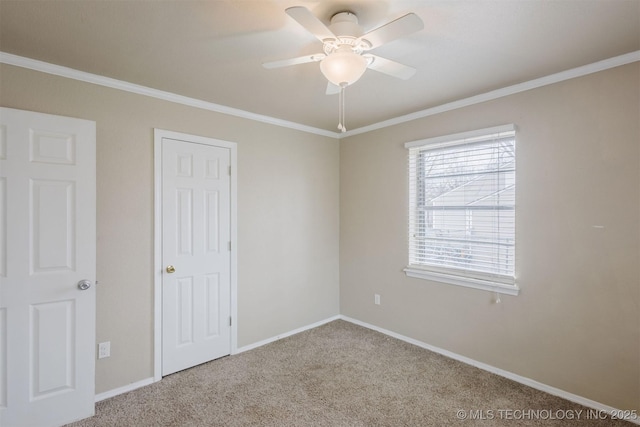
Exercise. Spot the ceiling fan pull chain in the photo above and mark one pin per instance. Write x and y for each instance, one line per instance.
(344, 114)
(341, 113)
(340, 95)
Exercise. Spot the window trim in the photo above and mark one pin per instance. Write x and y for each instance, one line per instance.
(468, 282)
(493, 283)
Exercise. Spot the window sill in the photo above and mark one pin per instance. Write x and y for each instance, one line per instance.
(468, 282)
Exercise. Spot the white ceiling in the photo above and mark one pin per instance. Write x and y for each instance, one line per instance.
(213, 50)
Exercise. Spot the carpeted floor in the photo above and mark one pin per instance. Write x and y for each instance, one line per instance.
(339, 374)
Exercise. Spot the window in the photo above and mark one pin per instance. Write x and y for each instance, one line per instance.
(462, 209)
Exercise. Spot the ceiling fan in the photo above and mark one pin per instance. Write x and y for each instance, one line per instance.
(345, 46)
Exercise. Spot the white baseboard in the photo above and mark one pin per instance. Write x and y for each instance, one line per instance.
(124, 389)
(506, 374)
(286, 334)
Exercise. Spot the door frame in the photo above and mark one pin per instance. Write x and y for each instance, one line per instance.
(158, 135)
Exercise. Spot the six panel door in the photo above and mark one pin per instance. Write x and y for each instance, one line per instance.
(196, 285)
(47, 245)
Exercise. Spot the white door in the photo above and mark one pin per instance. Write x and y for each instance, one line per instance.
(47, 246)
(196, 281)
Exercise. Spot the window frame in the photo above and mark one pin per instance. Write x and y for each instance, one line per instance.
(455, 276)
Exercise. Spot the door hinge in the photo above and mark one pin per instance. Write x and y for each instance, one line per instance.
(229, 244)
(229, 170)
(229, 320)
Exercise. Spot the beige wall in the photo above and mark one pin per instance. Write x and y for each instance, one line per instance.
(575, 325)
(287, 215)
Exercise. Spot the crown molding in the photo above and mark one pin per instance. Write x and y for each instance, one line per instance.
(45, 67)
(506, 91)
(58, 70)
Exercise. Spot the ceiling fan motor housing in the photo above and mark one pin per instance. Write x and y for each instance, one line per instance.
(345, 24)
(347, 31)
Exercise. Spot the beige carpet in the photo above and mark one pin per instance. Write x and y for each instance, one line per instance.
(339, 374)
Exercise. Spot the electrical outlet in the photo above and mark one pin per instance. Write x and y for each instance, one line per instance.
(104, 349)
(376, 299)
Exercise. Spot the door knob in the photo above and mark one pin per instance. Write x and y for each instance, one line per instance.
(83, 285)
(171, 269)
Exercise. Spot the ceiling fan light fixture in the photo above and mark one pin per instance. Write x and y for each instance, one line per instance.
(343, 67)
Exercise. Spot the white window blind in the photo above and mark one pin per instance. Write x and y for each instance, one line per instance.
(462, 205)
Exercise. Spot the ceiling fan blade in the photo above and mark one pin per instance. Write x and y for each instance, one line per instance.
(310, 22)
(332, 89)
(403, 26)
(294, 61)
(389, 67)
